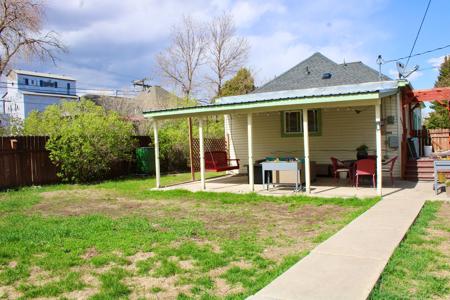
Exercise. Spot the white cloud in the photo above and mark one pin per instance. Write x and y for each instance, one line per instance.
(248, 12)
(436, 61)
(108, 37)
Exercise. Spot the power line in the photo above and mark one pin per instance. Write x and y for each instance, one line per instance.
(9, 85)
(418, 33)
(417, 54)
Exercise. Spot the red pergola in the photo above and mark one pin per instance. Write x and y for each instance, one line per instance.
(440, 95)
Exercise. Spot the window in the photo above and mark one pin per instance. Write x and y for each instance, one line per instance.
(26, 81)
(48, 83)
(292, 122)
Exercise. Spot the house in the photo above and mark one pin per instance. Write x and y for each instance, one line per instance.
(151, 98)
(28, 91)
(313, 111)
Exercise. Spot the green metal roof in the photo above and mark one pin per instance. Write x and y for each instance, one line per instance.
(285, 99)
(228, 108)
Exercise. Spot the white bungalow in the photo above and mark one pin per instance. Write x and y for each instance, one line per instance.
(316, 110)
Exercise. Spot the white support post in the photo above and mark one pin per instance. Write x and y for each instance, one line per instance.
(378, 143)
(202, 154)
(251, 175)
(156, 144)
(399, 130)
(306, 148)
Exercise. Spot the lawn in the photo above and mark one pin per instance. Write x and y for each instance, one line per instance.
(420, 266)
(119, 239)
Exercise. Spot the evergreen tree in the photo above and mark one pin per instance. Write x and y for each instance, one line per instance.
(242, 83)
(444, 74)
(440, 117)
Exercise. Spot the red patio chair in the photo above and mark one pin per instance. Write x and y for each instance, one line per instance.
(388, 167)
(365, 167)
(339, 167)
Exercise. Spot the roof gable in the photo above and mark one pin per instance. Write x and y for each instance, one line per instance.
(309, 74)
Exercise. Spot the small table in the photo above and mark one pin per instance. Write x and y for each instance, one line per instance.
(440, 166)
(282, 166)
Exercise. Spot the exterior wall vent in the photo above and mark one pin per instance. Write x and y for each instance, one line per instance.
(326, 75)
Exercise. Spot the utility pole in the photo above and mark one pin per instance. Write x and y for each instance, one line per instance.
(379, 62)
(141, 83)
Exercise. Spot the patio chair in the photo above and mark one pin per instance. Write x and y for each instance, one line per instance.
(365, 167)
(339, 167)
(388, 167)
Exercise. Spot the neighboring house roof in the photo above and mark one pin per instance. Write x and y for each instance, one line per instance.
(123, 105)
(383, 87)
(153, 98)
(157, 97)
(39, 74)
(309, 74)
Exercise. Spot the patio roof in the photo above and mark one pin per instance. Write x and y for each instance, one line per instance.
(354, 94)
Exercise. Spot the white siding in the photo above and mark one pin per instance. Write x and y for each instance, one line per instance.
(40, 103)
(343, 130)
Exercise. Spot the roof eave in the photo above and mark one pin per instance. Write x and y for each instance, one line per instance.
(268, 105)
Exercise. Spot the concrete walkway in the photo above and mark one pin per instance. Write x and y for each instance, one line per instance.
(348, 265)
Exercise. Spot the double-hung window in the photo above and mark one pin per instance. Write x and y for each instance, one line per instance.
(292, 122)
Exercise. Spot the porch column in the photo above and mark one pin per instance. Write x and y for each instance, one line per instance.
(202, 153)
(251, 175)
(306, 148)
(156, 145)
(378, 142)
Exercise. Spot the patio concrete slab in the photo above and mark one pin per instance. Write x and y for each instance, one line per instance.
(323, 187)
(348, 265)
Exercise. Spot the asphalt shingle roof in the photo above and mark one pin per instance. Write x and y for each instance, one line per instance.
(308, 74)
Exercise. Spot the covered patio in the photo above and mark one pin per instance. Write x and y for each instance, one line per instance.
(323, 187)
(369, 97)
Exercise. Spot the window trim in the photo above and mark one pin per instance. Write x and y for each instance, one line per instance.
(299, 134)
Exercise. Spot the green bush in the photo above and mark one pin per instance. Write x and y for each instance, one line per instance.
(84, 139)
(439, 118)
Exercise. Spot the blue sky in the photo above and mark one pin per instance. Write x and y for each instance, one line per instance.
(112, 42)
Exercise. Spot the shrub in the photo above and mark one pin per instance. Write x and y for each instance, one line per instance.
(439, 118)
(84, 139)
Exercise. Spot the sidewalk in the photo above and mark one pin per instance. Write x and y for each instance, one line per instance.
(348, 265)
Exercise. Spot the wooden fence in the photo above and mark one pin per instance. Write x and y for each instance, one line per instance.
(211, 144)
(440, 139)
(25, 161)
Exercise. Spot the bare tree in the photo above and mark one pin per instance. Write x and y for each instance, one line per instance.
(227, 51)
(180, 61)
(20, 32)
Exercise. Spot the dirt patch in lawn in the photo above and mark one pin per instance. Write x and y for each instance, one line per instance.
(272, 231)
(290, 225)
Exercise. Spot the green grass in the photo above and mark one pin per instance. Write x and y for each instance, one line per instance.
(176, 226)
(71, 282)
(112, 286)
(419, 268)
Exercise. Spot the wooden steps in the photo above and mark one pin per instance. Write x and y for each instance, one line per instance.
(421, 169)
